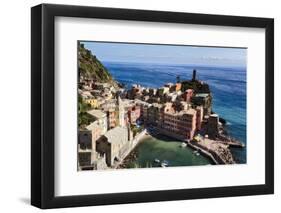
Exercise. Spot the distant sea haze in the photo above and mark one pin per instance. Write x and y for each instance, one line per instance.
(228, 87)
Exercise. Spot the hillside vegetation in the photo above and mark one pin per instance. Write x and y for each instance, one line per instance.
(91, 68)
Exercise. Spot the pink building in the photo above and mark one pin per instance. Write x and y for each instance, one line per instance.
(179, 124)
(134, 114)
(188, 94)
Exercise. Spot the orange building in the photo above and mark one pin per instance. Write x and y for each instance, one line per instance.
(178, 86)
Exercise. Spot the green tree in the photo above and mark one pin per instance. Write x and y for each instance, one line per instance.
(84, 118)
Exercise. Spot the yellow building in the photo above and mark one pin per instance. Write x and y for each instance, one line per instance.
(93, 102)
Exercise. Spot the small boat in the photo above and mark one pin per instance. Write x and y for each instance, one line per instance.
(197, 154)
(183, 145)
(156, 160)
(165, 163)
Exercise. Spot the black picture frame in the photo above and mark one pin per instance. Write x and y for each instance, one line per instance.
(43, 102)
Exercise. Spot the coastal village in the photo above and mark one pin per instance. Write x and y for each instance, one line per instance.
(113, 120)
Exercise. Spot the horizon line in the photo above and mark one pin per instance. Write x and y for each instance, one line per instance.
(185, 64)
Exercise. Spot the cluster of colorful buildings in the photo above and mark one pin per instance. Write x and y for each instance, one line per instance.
(109, 138)
(174, 111)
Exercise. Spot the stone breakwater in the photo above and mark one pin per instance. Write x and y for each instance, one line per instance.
(217, 151)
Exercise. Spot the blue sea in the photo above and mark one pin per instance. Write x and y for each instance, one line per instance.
(228, 86)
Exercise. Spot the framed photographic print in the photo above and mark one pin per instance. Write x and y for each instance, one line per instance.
(140, 106)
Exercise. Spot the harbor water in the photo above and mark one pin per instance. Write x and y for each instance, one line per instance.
(152, 151)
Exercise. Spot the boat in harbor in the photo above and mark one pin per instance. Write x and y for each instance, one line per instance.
(183, 145)
(196, 152)
(156, 160)
(164, 163)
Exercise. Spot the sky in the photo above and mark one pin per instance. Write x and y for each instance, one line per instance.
(168, 54)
